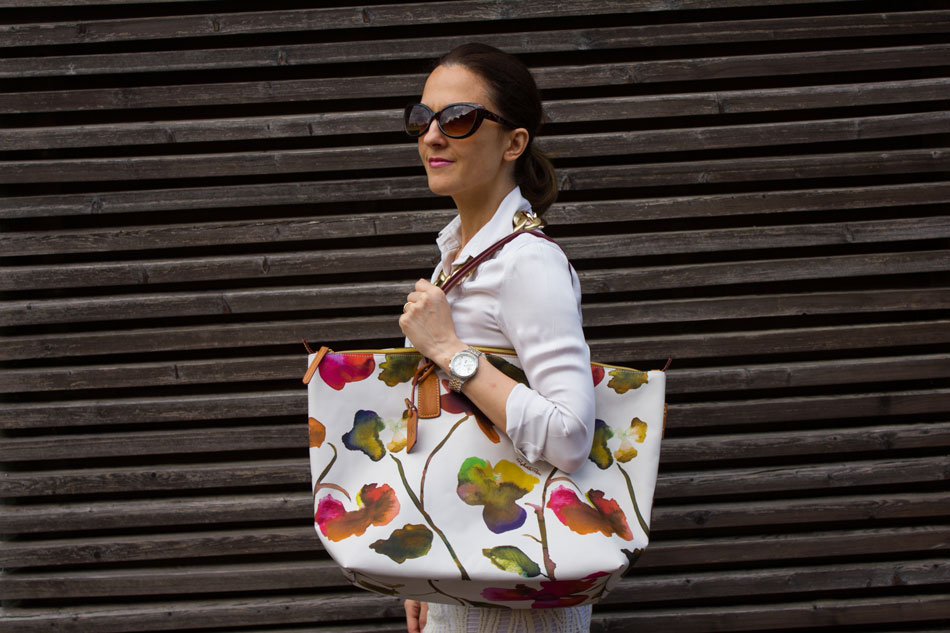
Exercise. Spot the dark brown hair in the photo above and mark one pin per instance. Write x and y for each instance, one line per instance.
(516, 97)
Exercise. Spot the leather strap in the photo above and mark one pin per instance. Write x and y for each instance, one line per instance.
(471, 264)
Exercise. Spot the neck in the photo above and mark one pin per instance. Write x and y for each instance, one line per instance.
(476, 210)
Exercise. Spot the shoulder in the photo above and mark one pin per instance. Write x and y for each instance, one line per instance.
(528, 249)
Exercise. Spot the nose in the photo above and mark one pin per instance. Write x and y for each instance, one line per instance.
(434, 135)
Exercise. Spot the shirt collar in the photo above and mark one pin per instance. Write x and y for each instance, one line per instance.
(500, 225)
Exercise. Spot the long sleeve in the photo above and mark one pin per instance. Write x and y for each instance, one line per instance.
(539, 312)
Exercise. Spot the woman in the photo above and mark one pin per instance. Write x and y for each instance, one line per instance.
(476, 125)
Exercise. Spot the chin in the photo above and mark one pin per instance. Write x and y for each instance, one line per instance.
(440, 187)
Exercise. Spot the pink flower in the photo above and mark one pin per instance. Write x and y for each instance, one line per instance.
(553, 593)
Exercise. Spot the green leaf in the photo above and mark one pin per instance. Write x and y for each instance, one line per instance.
(512, 371)
(409, 541)
(510, 558)
(623, 380)
(599, 453)
(398, 368)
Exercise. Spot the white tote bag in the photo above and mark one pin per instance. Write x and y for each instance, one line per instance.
(417, 495)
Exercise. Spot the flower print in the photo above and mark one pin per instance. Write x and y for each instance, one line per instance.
(398, 368)
(399, 433)
(453, 402)
(551, 594)
(338, 369)
(623, 380)
(597, 373)
(376, 505)
(512, 559)
(497, 488)
(604, 515)
(364, 436)
(599, 453)
(636, 432)
(409, 541)
(318, 432)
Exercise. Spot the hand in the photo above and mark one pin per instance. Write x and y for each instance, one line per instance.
(416, 615)
(427, 323)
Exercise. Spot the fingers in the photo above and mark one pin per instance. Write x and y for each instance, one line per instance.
(413, 607)
(423, 615)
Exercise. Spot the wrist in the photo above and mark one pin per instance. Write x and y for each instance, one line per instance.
(447, 352)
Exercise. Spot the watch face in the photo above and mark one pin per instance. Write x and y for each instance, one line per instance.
(464, 364)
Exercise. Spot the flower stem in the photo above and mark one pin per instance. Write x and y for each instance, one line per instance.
(633, 499)
(425, 469)
(425, 515)
(542, 528)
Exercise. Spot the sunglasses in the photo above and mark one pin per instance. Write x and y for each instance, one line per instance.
(456, 120)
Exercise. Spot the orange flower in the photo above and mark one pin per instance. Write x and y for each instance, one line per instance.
(377, 505)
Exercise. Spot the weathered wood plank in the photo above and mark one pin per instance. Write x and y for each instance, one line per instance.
(15, 243)
(638, 589)
(771, 29)
(663, 552)
(748, 446)
(337, 329)
(559, 111)
(406, 154)
(296, 472)
(259, 368)
(401, 222)
(247, 405)
(421, 256)
(407, 85)
(324, 19)
(792, 409)
(303, 607)
(829, 441)
(816, 613)
(251, 508)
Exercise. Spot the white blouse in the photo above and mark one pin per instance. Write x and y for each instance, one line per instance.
(527, 297)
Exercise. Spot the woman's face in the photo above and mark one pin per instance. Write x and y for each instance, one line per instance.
(471, 168)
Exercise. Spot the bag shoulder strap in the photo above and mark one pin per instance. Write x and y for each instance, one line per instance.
(471, 264)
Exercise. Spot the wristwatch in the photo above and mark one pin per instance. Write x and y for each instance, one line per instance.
(462, 367)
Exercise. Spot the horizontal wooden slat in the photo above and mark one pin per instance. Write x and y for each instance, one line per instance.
(820, 613)
(381, 258)
(663, 552)
(294, 472)
(407, 85)
(426, 222)
(406, 154)
(64, 414)
(252, 334)
(765, 410)
(639, 588)
(748, 445)
(216, 510)
(402, 221)
(277, 21)
(827, 441)
(260, 368)
(556, 111)
(774, 29)
(327, 608)
(392, 293)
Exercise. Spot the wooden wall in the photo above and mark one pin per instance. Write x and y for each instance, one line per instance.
(757, 188)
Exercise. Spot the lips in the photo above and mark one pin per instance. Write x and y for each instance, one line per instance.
(439, 162)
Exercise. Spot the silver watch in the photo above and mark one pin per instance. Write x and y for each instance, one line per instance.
(462, 367)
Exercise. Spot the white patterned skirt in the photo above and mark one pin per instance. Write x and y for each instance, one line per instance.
(448, 618)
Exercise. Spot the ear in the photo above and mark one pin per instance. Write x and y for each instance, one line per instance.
(517, 144)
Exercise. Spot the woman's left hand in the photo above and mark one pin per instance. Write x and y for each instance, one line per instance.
(427, 323)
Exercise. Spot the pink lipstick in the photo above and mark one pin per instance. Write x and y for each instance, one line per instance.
(439, 162)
